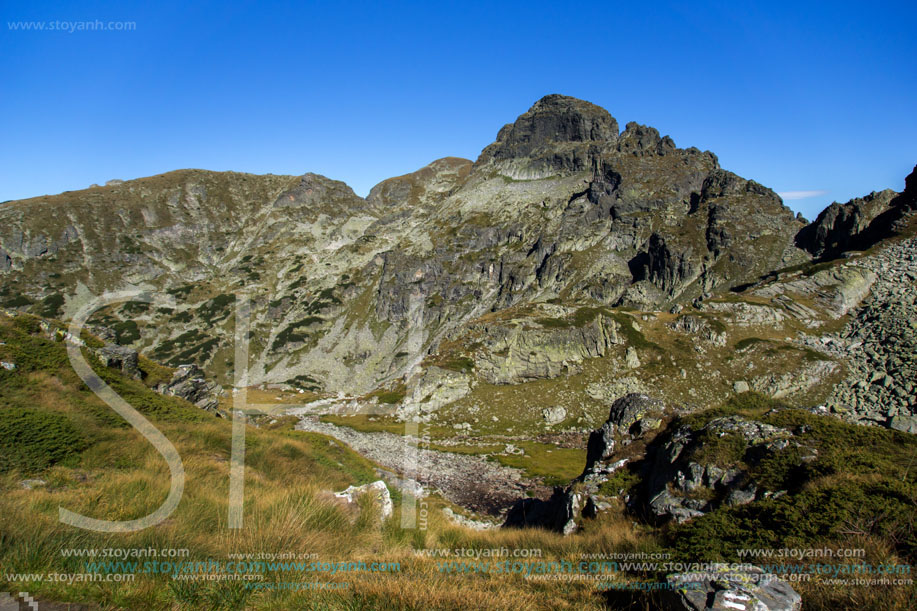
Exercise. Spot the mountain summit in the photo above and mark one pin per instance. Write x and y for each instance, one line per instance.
(561, 209)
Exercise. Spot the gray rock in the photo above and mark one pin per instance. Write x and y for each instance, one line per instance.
(740, 386)
(377, 490)
(29, 484)
(121, 357)
(554, 415)
(907, 424)
(632, 407)
(741, 496)
(188, 383)
(725, 589)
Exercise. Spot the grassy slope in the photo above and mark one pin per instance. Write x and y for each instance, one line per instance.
(859, 494)
(103, 468)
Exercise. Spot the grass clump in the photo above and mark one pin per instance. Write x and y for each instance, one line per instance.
(556, 466)
(33, 440)
(392, 396)
(462, 364)
(724, 450)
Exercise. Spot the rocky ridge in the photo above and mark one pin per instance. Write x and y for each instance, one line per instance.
(561, 206)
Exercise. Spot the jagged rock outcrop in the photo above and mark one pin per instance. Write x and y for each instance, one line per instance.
(697, 470)
(837, 226)
(686, 471)
(188, 382)
(520, 352)
(557, 133)
(860, 223)
(725, 588)
(631, 417)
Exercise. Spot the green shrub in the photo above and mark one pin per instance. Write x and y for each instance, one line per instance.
(724, 450)
(17, 302)
(32, 440)
(51, 306)
(216, 309)
(293, 333)
(131, 308)
(126, 332)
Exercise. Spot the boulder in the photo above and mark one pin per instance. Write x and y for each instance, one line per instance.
(907, 424)
(724, 589)
(554, 415)
(559, 513)
(121, 357)
(379, 492)
(188, 382)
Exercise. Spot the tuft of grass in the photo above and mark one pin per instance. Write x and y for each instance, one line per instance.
(462, 364)
(33, 440)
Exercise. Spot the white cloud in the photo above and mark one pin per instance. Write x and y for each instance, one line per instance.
(801, 194)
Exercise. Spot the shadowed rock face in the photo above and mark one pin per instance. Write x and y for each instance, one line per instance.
(860, 223)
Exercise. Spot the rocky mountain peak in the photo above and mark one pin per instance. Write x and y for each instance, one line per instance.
(554, 119)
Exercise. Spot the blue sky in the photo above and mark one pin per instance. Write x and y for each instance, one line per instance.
(814, 97)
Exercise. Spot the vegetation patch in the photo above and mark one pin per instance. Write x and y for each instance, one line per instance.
(294, 333)
(748, 342)
(633, 336)
(133, 308)
(556, 466)
(462, 364)
(32, 440)
(51, 306)
(216, 309)
(17, 301)
(126, 332)
(390, 396)
(305, 382)
(722, 450)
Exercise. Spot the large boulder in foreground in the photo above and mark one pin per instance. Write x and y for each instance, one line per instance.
(630, 419)
(559, 513)
(723, 589)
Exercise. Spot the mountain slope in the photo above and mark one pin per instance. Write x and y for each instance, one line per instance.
(561, 206)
